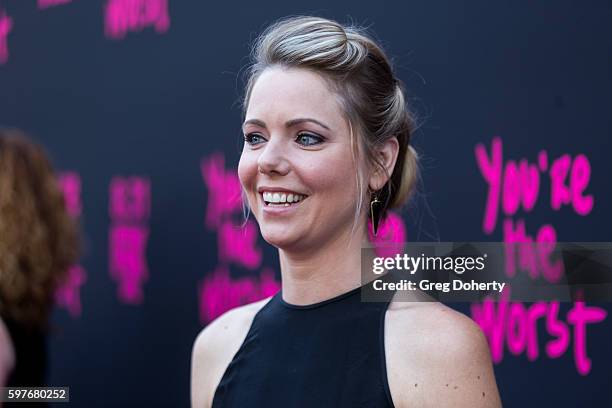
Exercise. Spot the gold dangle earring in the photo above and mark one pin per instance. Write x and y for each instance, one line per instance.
(375, 209)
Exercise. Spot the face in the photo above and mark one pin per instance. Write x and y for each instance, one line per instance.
(297, 148)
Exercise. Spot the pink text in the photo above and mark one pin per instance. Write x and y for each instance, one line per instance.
(223, 190)
(390, 236)
(533, 257)
(67, 294)
(122, 16)
(6, 25)
(218, 292)
(129, 209)
(239, 244)
(70, 183)
(517, 184)
(515, 324)
(43, 4)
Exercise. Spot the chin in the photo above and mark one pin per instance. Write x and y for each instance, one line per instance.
(279, 239)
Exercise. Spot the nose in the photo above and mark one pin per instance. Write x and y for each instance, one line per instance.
(273, 158)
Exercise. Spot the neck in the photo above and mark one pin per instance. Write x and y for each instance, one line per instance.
(325, 272)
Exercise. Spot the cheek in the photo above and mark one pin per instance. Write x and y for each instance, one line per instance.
(247, 172)
(333, 174)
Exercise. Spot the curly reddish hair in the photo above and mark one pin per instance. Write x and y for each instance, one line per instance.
(38, 238)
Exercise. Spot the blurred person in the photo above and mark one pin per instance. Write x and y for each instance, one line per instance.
(327, 150)
(38, 243)
(7, 354)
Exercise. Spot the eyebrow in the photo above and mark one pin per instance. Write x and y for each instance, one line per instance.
(289, 123)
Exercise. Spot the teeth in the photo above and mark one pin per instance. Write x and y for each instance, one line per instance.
(282, 198)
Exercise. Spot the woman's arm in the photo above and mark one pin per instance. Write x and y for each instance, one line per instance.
(214, 349)
(201, 357)
(438, 357)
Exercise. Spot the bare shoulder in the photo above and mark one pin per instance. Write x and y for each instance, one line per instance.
(214, 348)
(437, 357)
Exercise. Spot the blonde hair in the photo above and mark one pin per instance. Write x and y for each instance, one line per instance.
(357, 69)
(38, 239)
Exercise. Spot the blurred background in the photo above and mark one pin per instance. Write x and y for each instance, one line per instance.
(137, 103)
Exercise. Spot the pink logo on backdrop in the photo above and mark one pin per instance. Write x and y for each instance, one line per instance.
(390, 236)
(517, 184)
(218, 292)
(68, 295)
(223, 190)
(6, 25)
(123, 16)
(237, 244)
(130, 199)
(70, 183)
(513, 186)
(516, 325)
(129, 210)
(43, 4)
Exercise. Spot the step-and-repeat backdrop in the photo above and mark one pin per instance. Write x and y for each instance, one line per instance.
(137, 102)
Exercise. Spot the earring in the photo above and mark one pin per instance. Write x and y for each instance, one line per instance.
(375, 210)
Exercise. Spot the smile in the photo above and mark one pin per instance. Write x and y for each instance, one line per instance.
(281, 199)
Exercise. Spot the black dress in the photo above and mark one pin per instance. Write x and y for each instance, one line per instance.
(327, 354)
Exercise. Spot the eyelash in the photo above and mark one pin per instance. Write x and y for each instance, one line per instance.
(249, 138)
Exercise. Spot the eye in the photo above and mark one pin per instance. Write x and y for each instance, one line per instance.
(253, 138)
(309, 139)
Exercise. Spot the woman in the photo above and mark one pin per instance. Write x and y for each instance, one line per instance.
(38, 242)
(327, 134)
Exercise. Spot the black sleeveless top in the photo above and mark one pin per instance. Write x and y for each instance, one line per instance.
(327, 354)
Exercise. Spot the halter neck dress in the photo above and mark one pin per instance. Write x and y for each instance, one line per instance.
(326, 354)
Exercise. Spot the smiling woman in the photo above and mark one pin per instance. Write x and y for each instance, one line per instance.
(307, 157)
(327, 133)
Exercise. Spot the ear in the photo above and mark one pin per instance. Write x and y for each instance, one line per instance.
(387, 155)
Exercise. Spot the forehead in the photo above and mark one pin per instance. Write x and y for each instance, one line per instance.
(286, 93)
